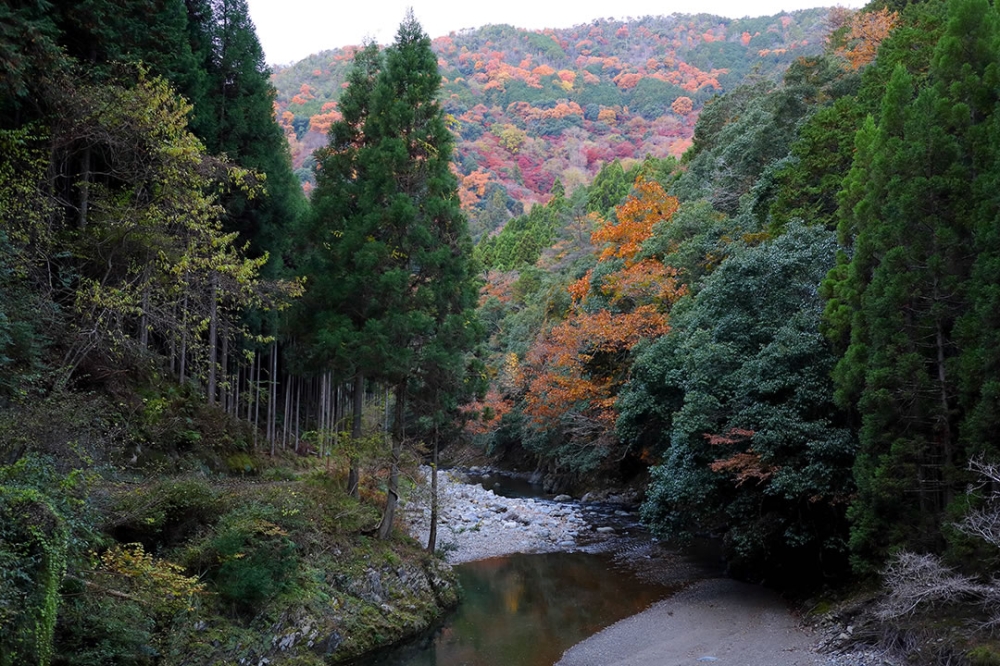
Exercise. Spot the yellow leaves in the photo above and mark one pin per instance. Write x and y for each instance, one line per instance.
(510, 136)
(155, 582)
(607, 116)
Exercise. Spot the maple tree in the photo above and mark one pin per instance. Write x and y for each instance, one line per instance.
(623, 237)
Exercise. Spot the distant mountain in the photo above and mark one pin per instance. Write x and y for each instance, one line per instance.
(531, 107)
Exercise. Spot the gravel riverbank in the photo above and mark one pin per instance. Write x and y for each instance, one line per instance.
(713, 620)
(475, 523)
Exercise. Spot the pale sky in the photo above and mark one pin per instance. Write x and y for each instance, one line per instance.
(290, 30)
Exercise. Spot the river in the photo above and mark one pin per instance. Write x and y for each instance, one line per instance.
(527, 609)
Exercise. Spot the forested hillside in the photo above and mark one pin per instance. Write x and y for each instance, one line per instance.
(747, 270)
(183, 478)
(529, 108)
(794, 324)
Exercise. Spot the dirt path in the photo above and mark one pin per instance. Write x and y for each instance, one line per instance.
(713, 622)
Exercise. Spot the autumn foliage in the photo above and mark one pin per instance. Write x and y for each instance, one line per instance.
(648, 205)
(867, 31)
(578, 365)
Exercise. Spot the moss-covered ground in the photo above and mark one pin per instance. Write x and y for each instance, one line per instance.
(181, 542)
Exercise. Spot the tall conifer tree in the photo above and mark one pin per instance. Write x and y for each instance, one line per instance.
(391, 229)
(909, 211)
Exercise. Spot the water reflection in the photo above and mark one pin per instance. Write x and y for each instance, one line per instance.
(506, 485)
(526, 610)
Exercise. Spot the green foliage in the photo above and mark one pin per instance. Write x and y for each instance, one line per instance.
(42, 526)
(983, 655)
(807, 185)
(236, 119)
(394, 276)
(249, 558)
(163, 514)
(102, 630)
(522, 240)
(910, 212)
(741, 135)
(610, 187)
(738, 400)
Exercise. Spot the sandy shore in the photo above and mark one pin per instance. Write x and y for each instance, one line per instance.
(713, 621)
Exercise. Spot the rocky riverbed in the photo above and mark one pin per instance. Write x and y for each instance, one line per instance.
(475, 523)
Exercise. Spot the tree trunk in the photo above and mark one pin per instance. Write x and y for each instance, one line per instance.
(392, 492)
(255, 395)
(298, 405)
(224, 393)
(286, 419)
(213, 342)
(353, 474)
(432, 538)
(322, 414)
(144, 320)
(183, 362)
(272, 399)
(85, 187)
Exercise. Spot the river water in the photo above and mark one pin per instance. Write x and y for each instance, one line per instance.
(527, 609)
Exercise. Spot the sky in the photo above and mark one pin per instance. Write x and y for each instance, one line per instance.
(290, 30)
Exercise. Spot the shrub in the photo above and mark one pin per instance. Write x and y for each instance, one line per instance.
(249, 559)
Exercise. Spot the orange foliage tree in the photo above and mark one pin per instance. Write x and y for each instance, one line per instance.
(868, 30)
(682, 106)
(577, 367)
(647, 205)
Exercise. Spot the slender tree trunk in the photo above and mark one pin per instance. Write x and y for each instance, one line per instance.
(286, 419)
(213, 342)
(173, 344)
(144, 320)
(272, 399)
(255, 395)
(322, 413)
(224, 392)
(184, 332)
(354, 474)
(392, 492)
(236, 390)
(331, 422)
(432, 537)
(84, 187)
(249, 388)
(298, 406)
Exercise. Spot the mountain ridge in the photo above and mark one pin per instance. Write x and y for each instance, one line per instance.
(529, 107)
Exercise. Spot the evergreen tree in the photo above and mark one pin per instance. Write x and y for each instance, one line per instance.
(910, 211)
(738, 398)
(342, 255)
(393, 236)
(236, 119)
(427, 275)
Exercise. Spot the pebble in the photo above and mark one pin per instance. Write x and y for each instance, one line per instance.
(475, 523)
